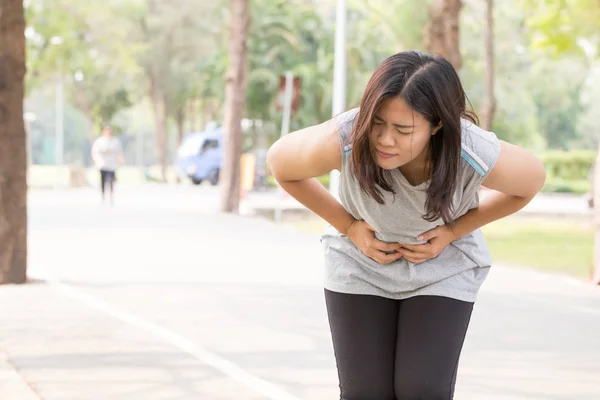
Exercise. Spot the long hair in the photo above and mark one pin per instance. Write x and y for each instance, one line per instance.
(430, 85)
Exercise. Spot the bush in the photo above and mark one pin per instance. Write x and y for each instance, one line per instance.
(558, 185)
(568, 165)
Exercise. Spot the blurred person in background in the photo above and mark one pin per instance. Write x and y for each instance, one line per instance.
(404, 253)
(107, 154)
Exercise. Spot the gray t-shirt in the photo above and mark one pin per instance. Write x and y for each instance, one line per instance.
(457, 272)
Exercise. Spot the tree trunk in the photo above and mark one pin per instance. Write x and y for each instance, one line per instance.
(180, 119)
(13, 145)
(442, 30)
(192, 114)
(235, 94)
(160, 122)
(488, 34)
(84, 105)
(180, 125)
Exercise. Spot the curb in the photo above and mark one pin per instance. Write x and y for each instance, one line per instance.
(12, 384)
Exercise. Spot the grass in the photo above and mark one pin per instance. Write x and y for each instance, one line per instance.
(547, 244)
(551, 245)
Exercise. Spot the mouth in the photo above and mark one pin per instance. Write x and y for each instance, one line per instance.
(383, 154)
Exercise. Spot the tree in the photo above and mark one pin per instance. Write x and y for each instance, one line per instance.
(235, 94)
(173, 40)
(85, 45)
(488, 37)
(556, 92)
(563, 26)
(13, 155)
(442, 30)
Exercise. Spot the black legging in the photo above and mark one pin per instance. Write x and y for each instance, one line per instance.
(397, 349)
(107, 180)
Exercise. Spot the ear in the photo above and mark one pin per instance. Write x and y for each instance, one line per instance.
(437, 128)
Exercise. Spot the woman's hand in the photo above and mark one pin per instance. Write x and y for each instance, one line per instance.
(363, 236)
(437, 238)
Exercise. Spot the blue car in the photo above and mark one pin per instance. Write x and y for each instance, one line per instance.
(200, 156)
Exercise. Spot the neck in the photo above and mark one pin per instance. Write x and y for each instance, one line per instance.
(418, 170)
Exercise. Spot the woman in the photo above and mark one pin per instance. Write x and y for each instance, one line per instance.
(407, 257)
(107, 154)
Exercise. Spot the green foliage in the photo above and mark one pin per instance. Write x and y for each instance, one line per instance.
(85, 45)
(557, 27)
(114, 102)
(541, 99)
(570, 166)
(544, 86)
(559, 185)
(556, 94)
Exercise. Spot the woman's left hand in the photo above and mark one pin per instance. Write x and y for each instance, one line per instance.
(437, 238)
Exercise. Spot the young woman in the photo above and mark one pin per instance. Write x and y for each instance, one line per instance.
(406, 258)
(107, 154)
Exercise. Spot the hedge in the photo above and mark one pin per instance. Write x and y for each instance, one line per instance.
(558, 185)
(568, 165)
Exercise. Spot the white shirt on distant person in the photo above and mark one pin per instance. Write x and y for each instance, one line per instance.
(106, 152)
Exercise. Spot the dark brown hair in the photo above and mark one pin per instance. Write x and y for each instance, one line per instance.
(430, 85)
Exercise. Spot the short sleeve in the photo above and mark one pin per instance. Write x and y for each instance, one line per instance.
(345, 123)
(479, 150)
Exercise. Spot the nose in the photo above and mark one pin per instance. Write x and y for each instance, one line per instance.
(385, 138)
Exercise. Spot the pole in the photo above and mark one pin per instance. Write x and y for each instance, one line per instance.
(140, 149)
(287, 103)
(595, 273)
(339, 81)
(285, 129)
(59, 126)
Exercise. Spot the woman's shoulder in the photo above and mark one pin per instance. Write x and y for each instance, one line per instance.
(479, 148)
(345, 123)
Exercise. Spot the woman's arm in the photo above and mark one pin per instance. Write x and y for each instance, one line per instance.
(515, 179)
(298, 158)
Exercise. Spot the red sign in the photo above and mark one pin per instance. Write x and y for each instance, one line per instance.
(281, 93)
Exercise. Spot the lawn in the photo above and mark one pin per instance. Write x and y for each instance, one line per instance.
(552, 245)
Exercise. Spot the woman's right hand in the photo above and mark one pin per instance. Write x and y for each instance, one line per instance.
(363, 236)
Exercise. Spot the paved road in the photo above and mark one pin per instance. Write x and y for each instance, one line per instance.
(160, 298)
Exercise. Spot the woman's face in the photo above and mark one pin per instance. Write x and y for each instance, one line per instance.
(400, 135)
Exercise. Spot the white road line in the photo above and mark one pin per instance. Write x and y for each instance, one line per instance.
(203, 355)
(13, 385)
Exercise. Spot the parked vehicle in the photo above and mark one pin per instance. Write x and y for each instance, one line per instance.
(200, 156)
